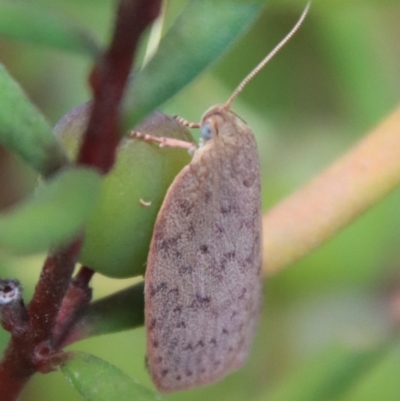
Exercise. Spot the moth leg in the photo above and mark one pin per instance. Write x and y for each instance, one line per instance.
(165, 142)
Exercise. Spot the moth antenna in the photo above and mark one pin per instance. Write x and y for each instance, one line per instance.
(186, 123)
(261, 65)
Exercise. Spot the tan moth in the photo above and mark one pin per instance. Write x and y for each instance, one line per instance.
(203, 277)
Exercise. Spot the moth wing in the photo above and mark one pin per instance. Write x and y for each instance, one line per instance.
(202, 284)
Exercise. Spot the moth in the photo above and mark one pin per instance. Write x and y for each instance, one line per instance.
(203, 286)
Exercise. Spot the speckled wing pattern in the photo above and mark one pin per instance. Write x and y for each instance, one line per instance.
(202, 283)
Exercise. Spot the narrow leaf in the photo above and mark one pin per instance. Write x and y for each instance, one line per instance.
(327, 376)
(53, 215)
(204, 30)
(24, 130)
(97, 380)
(381, 382)
(39, 24)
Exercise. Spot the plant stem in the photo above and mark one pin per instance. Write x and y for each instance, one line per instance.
(19, 361)
(333, 199)
(50, 290)
(26, 353)
(108, 81)
(76, 299)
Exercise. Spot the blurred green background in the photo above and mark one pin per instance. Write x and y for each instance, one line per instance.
(333, 82)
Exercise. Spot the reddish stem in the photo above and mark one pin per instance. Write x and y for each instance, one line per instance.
(26, 354)
(50, 290)
(15, 369)
(84, 276)
(108, 80)
(19, 361)
(76, 299)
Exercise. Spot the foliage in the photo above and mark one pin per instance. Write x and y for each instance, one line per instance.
(328, 329)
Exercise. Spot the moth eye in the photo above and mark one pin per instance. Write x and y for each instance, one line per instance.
(206, 132)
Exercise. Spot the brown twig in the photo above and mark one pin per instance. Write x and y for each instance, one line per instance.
(108, 80)
(20, 359)
(50, 290)
(27, 353)
(76, 299)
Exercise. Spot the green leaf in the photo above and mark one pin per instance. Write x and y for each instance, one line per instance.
(381, 382)
(24, 130)
(122, 310)
(118, 232)
(327, 376)
(38, 24)
(55, 213)
(204, 30)
(97, 380)
(348, 47)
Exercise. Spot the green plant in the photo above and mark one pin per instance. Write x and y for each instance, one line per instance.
(55, 218)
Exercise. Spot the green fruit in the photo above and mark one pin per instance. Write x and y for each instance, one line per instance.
(119, 230)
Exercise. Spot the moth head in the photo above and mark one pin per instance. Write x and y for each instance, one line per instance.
(213, 119)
